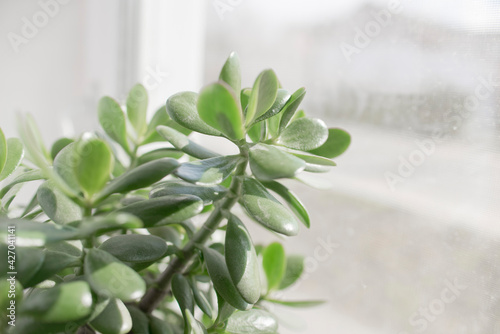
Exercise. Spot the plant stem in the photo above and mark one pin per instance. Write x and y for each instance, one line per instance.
(161, 288)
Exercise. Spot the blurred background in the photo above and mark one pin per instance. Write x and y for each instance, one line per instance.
(406, 238)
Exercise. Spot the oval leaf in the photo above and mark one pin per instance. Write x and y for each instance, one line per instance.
(181, 107)
(304, 134)
(158, 326)
(208, 171)
(221, 279)
(28, 261)
(293, 271)
(53, 263)
(183, 143)
(219, 107)
(182, 293)
(59, 145)
(252, 322)
(64, 165)
(338, 141)
(94, 165)
(109, 277)
(264, 91)
(56, 205)
(135, 248)
(114, 319)
(231, 73)
(114, 221)
(266, 209)
(140, 321)
(112, 120)
(269, 163)
(165, 210)
(241, 260)
(200, 299)
(140, 177)
(15, 154)
(31, 233)
(160, 153)
(208, 194)
(274, 263)
(282, 98)
(290, 108)
(137, 108)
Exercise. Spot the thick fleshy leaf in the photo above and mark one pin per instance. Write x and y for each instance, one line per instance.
(30, 325)
(112, 120)
(231, 73)
(219, 107)
(274, 263)
(52, 264)
(114, 319)
(257, 132)
(293, 271)
(3, 150)
(208, 171)
(109, 277)
(28, 261)
(159, 154)
(64, 302)
(181, 107)
(298, 303)
(241, 260)
(293, 202)
(33, 175)
(15, 154)
(268, 163)
(158, 326)
(193, 325)
(264, 91)
(33, 142)
(59, 145)
(245, 97)
(200, 299)
(182, 293)
(282, 98)
(267, 210)
(111, 222)
(135, 248)
(208, 194)
(94, 165)
(183, 143)
(165, 210)
(252, 322)
(338, 141)
(137, 108)
(314, 160)
(140, 321)
(140, 177)
(221, 279)
(56, 205)
(159, 118)
(290, 108)
(65, 163)
(31, 233)
(304, 134)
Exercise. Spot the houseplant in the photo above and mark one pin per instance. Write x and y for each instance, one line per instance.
(121, 232)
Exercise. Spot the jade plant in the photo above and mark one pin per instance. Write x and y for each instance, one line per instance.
(139, 229)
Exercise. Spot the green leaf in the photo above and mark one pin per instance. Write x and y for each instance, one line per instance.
(282, 98)
(5, 289)
(112, 120)
(15, 154)
(56, 205)
(109, 277)
(114, 221)
(268, 163)
(304, 134)
(315, 160)
(140, 321)
(59, 145)
(219, 107)
(231, 73)
(33, 142)
(301, 304)
(159, 154)
(274, 263)
(3, 150)
(57, 304)
(114, 319)
(252, 322)
(65, 163)
(182, 142)
(94, 165)
(293, 202)
(257, 132)
(290, 108)
(208, 194)
(337, 143)
(165, 210)
(31, 233)
(264, 91)
(28, 261)
(140, 177)
(241, 260)
(193, 325)
(158, 326)
(209, 171)
(245, 97)
(267, 210)
(30, 325)
(294, 269)
(33, 175)
(135, 248)
(137, 108)
(221, 279)
(52, 264)
(181, 107)
(200, 299)
(159, 118)
(182, 293)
